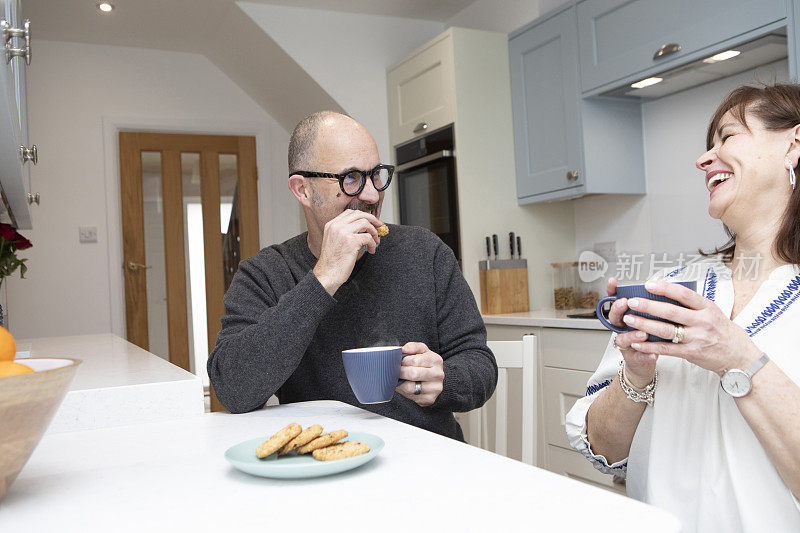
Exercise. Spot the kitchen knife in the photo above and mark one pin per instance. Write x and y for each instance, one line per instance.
(494, 242)
(511, 243)
(519, 248)
(488, 249)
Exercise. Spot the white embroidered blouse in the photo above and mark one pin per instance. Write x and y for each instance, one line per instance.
(693, 453)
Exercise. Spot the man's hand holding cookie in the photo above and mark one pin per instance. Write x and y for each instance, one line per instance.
(423, 366)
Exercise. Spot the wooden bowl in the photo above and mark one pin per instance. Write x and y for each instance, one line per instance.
(27, 405)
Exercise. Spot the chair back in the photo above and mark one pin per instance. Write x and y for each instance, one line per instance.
(510, 354)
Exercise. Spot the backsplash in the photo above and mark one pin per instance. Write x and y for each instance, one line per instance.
(673, 216)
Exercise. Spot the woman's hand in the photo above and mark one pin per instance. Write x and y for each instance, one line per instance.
(640, 367)
(711, 340)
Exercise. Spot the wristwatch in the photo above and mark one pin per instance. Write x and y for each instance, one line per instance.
(737, 382)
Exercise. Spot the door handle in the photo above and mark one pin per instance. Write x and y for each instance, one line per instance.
(422, 126)
(133, 266)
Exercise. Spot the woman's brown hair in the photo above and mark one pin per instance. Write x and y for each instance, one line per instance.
(778, 108)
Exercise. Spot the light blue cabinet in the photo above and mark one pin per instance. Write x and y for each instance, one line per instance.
(14, 171)
(566, 147)
(622, 38)
(545, 96)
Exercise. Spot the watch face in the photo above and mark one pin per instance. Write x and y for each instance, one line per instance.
(736, 383)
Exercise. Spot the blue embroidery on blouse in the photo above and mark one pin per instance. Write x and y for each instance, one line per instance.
(675, 272)
(710, 287)
(786, 298)
(591, 389)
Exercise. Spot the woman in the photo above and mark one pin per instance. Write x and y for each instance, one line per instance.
(656, 412)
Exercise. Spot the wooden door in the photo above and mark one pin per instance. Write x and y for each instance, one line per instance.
(165, 179)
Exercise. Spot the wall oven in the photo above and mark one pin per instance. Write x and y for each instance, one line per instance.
(426, 183)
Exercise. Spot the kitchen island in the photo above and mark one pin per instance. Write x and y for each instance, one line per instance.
(172, 476)
(117, 383)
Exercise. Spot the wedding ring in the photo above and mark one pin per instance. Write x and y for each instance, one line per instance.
(614, 342)
(417, 388)
(679, 331)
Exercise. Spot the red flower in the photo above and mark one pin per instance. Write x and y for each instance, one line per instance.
(8, 232)
(22, 243)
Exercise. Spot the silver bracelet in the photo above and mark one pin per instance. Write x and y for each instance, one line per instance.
(646, 395)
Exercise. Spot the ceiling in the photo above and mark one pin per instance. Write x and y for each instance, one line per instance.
(217, 29)
(438, 10)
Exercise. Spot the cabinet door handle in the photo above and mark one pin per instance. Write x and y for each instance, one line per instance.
(9, 33)
(573, 175)
(33, 198)
(28, 154)
(667, 50)
(422, 126)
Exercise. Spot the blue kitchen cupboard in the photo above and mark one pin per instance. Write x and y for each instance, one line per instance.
(565, 146)
(620, 39)
(15, 152)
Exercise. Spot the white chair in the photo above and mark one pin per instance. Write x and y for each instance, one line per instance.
(510, 354)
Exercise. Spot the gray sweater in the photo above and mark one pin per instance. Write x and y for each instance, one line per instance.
(283, 334)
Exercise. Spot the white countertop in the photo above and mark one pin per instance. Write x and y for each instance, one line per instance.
(116, 383)
(545, 318)
(108, 360)
(172, 476)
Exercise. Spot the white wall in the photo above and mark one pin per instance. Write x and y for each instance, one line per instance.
(500, 15)
(72, 90)
(673, 216)
(347, 54)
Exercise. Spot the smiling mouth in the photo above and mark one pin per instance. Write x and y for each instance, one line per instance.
(718, 179)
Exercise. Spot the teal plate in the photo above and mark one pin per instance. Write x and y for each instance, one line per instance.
(293, 466)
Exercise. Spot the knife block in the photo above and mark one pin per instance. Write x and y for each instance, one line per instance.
(504, 286)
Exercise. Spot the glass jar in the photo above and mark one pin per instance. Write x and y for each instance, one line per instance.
(565, 285)
(589, 293)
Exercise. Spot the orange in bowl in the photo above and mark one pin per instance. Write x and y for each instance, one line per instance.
(10, 368)
(8, 347)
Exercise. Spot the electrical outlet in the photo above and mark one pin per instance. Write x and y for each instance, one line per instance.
(606, 250)
(87, 233)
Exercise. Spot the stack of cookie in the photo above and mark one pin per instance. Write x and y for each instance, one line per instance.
(311, 440)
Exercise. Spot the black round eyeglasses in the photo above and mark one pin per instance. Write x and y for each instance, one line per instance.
(352, 182)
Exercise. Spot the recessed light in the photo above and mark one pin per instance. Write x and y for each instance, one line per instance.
(105, 7)
(646, 83)
(722, 56)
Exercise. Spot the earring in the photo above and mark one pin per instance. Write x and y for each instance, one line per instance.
(792, 177)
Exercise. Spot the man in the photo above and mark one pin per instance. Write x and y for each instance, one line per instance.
(293, 307)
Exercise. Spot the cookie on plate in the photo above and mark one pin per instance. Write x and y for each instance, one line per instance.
(278, 440)
(322, 441)
(308, 434)
(350, 448)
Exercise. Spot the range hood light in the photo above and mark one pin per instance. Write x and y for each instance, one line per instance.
(722, 56)
(105, 7)
(646, 83)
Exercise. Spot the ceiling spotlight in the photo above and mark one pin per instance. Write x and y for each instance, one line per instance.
(722, 56)
(646, 83)
(106, 6)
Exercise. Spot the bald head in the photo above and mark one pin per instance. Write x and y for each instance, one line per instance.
(318, 129)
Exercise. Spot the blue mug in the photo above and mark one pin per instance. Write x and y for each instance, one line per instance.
(638, 291)
(373, 372)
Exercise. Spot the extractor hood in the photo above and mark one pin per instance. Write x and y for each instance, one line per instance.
(761, 51)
